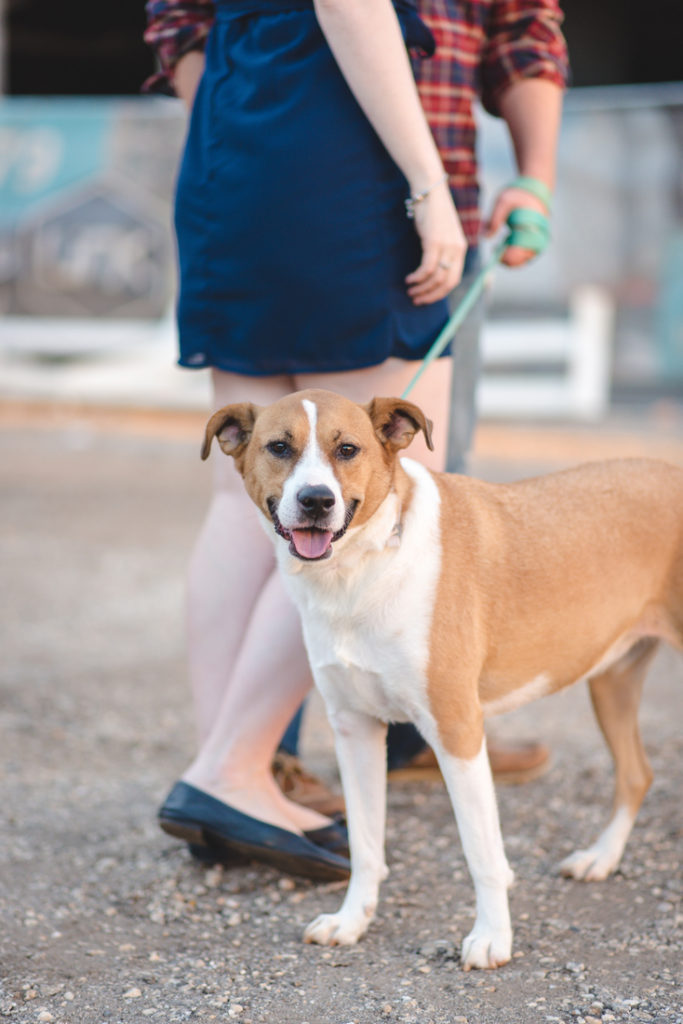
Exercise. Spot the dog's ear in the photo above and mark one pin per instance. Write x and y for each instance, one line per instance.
(232, 426)
(396, 422)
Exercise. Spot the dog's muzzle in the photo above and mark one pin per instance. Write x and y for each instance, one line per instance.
(311, 540)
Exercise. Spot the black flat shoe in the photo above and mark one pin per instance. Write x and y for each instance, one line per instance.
(333, 837)
(209, 856)
(201, 820)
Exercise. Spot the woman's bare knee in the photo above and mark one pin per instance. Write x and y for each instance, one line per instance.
(389, 379)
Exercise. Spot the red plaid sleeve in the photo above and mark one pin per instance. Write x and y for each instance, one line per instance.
(174, 27)
(524, 41)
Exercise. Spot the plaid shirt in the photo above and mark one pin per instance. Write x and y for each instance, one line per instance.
(482, 48)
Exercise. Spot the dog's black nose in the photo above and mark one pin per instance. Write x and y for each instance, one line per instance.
(316, 499)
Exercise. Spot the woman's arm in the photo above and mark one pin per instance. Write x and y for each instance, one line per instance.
(366, 40)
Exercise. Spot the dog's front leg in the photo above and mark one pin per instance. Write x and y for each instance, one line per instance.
(360, 742)
(470, 787)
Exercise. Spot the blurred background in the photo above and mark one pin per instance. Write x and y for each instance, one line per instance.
(102, 491)
(87, 166)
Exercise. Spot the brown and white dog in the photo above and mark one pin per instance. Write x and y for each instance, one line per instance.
(440, 599)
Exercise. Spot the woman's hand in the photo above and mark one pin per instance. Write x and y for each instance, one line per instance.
(443, 247)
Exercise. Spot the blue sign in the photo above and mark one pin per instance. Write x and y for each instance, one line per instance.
(46, 149)
(85, 205)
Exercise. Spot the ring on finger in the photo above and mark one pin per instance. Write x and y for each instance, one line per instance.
(445, 265)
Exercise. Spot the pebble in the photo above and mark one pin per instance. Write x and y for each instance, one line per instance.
(213, 877)
(438, 949)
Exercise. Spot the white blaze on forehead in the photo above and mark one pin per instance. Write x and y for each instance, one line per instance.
(312, 469)
(311, 410)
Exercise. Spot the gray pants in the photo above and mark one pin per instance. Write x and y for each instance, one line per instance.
(466, 367)
(403, 739)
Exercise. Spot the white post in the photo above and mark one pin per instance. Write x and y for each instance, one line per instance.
(592, 314)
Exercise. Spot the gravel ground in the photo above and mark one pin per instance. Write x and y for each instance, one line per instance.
(106, 919)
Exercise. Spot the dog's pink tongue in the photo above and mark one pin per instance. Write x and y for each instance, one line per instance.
(311, 543)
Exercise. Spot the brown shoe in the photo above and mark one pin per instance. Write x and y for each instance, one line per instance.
(303, 788)
(518, 761)
(423, 767)
(511, 763)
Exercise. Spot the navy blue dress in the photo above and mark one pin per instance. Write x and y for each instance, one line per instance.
(292, 236)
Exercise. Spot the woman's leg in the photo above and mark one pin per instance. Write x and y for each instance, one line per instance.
(248, 666)
(245, 689)
(230, 564)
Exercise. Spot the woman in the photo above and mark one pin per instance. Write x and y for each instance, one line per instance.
(298, 269)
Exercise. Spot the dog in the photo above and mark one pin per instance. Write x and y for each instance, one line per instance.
(440, 599)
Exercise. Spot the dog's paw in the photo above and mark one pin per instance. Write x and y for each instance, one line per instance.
(336, 929)
(486, 949)
(591, 865)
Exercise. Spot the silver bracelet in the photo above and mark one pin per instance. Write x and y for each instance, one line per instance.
(417, 197)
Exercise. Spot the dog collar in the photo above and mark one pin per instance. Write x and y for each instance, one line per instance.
(394, 538)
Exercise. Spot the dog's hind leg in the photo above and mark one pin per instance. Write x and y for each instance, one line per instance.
(360, 742)
(616, 696)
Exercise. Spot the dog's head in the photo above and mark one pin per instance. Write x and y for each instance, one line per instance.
(315, 462)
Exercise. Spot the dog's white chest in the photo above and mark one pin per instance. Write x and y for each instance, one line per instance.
(367, 625)
(379, 671)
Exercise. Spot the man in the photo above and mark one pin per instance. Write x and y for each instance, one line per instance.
(511, 55)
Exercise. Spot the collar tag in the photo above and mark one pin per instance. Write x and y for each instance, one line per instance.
(394, 540)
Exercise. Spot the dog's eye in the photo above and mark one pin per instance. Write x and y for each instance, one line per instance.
(280, 449)
(347, 451)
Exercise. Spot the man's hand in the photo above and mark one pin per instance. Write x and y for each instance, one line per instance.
(508, 200)
(188, 71)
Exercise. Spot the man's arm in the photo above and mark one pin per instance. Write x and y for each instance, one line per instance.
(524, 73)
(532, 109)
(188, 70)
(177, 31)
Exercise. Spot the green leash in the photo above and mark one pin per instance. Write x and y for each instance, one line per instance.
(529, 229)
